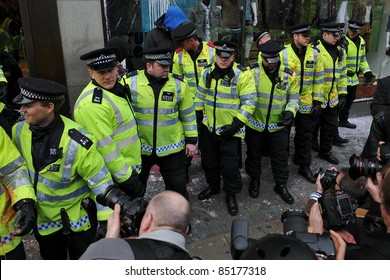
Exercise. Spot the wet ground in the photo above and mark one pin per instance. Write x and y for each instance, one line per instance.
(211, 223)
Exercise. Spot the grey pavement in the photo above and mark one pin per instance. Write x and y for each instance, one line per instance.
(210, 221)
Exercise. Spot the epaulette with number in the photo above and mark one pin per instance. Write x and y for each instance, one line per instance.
(131, 74)
(179, 77)
(80, 138)
(288, 71)
(241, 67)
(254, 65)
(97, 96)
(315, 44)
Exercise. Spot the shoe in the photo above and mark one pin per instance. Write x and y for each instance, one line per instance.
(254, 188)
(338, 141)
(347, 124)
(306, 172)
(329, 157)
(315, 146)
(231, 204)
(282, 191)
(206, 194)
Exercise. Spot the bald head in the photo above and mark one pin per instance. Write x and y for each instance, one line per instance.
(167, 210)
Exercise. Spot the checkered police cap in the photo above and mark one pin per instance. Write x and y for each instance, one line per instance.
(101, 59)
(36, 89)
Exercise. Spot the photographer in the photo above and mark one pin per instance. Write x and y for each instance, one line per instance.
(361, 244)
(379, 131)
(161, 233)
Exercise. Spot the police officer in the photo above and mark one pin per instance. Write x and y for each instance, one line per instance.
(356, 63)
(17, 200)
(164, 109)
(227, 95)
(107, 102)
(277, 105)
(189, 60)
(305, 60)
(65, 167)
(334, 88)
(260, 38)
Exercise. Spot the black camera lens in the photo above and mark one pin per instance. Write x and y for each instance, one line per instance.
(328, 179)
(363, 167)
(294, 220)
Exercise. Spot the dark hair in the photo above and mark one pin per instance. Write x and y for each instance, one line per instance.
(355, 188)
(57, 104)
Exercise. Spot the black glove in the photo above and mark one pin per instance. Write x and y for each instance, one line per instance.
(133, 186)
(350, 73)
(315, 109)
(3, 92)
(25, 217)
(342, 101)
(101, 230)
(369, 77)
(231, 129)
(286, 119)
(199, 118)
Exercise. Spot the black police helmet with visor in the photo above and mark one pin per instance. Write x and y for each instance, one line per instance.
(101, 60)
(270, 51)
(161, 55)
(225, 48)
(37, 89)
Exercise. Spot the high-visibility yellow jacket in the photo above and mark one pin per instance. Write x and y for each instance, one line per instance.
(80, 173)
(166, 119)
(15, 186)
(233, 95)
(273, 99)
(310, 73)
(335, 77)
(110, 118)
(2, 79)
(356, 60)
(183, 65)
(2, 76)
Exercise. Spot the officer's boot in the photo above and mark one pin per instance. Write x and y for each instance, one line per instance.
(282, 191)
(254, 187)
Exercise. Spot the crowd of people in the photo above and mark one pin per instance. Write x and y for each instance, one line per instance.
(191, 97)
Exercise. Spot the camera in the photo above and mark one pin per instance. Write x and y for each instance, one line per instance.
(328, 178)
(337, 210)
(132, 210)
(368, 167)
(295, 224)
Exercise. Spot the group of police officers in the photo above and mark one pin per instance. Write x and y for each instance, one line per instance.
(53, 169)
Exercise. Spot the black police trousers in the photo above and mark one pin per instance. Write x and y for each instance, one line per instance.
(172, 169)
(327, 125)
(274, 142)
(57, 246)
(351, 94)
(220, 156)
(302, 138)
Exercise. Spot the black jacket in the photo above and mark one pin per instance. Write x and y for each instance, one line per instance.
(381, 99)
